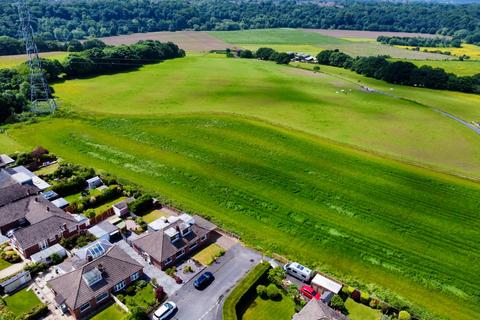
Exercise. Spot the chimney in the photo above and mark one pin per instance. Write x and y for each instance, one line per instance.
(48, 209)
(36, 199)
(89, 258)
(64, 226)
(100, 267)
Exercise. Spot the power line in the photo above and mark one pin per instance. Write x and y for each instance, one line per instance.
(40, 96)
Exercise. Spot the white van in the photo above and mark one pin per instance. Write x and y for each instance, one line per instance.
(298, 271)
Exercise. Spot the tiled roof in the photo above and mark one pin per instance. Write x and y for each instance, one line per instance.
(72, 289)
(158, 245)
(12, 191)
(317, 310)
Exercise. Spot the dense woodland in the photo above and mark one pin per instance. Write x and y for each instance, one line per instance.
(14, 86)
(78, 19)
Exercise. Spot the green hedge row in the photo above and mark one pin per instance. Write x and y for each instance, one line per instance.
(238, 295)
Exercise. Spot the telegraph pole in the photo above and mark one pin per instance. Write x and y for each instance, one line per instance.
(40, 95)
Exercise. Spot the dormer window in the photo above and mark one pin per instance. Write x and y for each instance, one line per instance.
(185, 229)
(173, 234)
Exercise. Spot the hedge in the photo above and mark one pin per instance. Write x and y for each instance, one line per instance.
(242, 291)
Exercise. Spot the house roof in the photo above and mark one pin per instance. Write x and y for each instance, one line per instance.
(326, 283)
(12, 191)
(94, 179)
(5, 160)
(45, 220)
(21, 173)
(60, 202)
(42, 255)
(317, 310)
(102, 229)
(73, 290)
(123, 204)
(158, 245)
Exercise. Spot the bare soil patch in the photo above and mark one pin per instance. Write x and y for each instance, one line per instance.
(367, 34)
(187, 40)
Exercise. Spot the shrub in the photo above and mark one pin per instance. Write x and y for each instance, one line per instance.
(273, 292)
(276, 276)
(365, 298)
(374, 303)
(141, 205)
(356, 295)
(159, 293)
(337, 303)
(130, 291)
(56, 259)
(187, 269)
(171, 271)
(121, 297)
(90, 213)
(137, 313)
(36, 313)
(404, 315)
(35, 267)
(141, 284)
(262, 291)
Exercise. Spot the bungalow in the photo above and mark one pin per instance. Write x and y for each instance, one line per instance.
(175, 241)
(37, 224)
(88, 287)
(316, 309)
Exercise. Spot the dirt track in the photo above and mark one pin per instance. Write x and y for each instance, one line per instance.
(187, 40)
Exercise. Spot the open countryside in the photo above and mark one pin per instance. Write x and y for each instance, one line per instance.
(213, 168)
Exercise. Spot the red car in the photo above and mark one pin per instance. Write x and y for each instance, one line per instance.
(308, 292)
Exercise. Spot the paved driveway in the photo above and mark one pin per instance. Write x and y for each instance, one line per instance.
(167, 282)
(206, 304)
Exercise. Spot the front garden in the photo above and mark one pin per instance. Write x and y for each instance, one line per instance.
(209, 254)
(141, 297)
(110, 313)
(8, 256)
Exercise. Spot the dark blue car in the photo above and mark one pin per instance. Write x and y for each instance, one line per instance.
(204, 280)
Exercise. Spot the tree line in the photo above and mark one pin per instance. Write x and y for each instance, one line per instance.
(10, 46)
(14, 83)
(401, 72)
(437, 42)
(79, 19)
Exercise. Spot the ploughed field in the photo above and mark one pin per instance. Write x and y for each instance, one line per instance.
(272, 153)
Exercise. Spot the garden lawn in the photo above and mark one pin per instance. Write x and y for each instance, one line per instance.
(47, 170)
(104, 207)
(343, 211)
(296, 99)
(114, 312)
(142, 298)
(261, 309)
(358, 311)
(4, 264)
(22, 301)
(154, 215)
(207, 255)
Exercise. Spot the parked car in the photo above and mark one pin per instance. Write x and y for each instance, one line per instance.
(309, 292)
(298, 271)
(165, 311)
(204, 280)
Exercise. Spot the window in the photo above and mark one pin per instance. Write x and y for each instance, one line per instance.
(52, 239)
(102, 296)
(84, 307)
(193, 245)
(180, 253)
(203, 238)
(134, 276)
(119, 286)
(43, 244)
(72, 228)
(168, 260)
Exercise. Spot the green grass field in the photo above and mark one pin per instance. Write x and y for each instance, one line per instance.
(264, 151)
(311, 42)
(358, 311)
(292, 98)
(15, 60)
(344, 211)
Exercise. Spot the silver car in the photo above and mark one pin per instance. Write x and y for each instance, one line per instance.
(165, 310)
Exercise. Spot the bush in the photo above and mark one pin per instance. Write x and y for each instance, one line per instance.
(171, 271)
(159, 293)
(131, 290)
(187, 269)
(374, 303)
(36, 313)
(404, 315)
(262, 291)
(121, 297)
(337, 303)
(35, 267)
(235, 300)
(90, 213)
(365, 298)
(276, 276)
(56, 259)
(273, 292)
(356, 295)
(141, 284)
(141, 205)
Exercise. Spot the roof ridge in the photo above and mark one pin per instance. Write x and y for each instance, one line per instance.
(119, 259)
